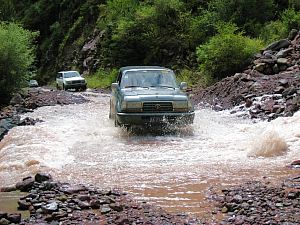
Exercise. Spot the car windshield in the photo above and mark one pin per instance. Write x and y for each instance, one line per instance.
(71, 74)
(149, 78)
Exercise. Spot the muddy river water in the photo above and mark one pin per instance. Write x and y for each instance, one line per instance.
(177, 170)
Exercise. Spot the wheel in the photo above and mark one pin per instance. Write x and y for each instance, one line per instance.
(64, 88)
(57, 87)
(117, 124)
(110, 112)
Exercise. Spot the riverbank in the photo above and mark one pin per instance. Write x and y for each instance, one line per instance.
(51, 202)
(27, 101)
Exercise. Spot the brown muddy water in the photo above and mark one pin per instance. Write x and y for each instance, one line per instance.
(177, 170)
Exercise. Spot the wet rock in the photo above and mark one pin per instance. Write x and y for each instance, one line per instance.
(105, 209)
(25, 185)
(276, 46)
(14, 218)
(23, 205)
(50, 208)
(295, 164)
(4, 221)
(3, 215)
(8, 189)
(73, 189)
(95, 204)
(41, 177)
(284, 53)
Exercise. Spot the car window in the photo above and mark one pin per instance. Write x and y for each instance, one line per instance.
(59, 75)
(71, 74)
(148, 78)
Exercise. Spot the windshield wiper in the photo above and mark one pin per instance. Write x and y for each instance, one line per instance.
(131, 86)
(163, 86)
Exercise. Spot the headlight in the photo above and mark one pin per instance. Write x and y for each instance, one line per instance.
(181, 106)
(131, 106)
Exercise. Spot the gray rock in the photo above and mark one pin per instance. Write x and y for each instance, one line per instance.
(41, 177)
(25, 185)
(105, 209)
(3, 215)
(23, 205)
(282, 61)
(4, 221)
(293, 33)
(14, 217)
(260, 67)
(276, 46)
(284, 53)
(17, 100)
(50, 208)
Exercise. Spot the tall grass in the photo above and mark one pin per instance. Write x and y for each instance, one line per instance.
(102, 78)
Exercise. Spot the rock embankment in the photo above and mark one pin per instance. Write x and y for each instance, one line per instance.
(259, 203)
(267, 89)
(51, 202)
(26, 102)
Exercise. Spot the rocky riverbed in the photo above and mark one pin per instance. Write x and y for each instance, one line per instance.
(51, 202)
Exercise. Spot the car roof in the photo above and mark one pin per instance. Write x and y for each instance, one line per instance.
(125, 68)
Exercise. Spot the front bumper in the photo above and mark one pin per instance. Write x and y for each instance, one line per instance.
(79, 85)
(155, 118)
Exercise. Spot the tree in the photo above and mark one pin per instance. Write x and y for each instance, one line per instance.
(16, 58)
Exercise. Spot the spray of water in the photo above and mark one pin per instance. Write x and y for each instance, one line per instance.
(268, 144)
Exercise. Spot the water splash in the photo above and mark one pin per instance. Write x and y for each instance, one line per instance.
(268, 144)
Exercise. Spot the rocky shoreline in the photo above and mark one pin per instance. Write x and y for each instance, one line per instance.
(10, 116)
(267, 89)
(52, 202)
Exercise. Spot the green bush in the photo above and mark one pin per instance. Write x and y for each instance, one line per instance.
(16, 58)
(226, 53)
(275, 30)
(102, 78)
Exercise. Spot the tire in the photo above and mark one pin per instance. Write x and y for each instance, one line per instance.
(64, 88)
(110, 112)
(117, 124)
(57, 87)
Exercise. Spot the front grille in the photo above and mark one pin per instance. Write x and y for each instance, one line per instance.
(157, 107)
(76, 82)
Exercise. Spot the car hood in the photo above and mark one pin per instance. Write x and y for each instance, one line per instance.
(74, 78)
(154, 94)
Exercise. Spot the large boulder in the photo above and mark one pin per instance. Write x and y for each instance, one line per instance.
(277, 45)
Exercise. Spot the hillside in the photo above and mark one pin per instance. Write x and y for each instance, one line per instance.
(96, 34)
(268, 88)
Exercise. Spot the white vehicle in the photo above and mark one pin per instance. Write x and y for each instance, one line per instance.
(70, 80)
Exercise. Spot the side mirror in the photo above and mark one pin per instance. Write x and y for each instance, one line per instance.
(183, 86)
(114, 86)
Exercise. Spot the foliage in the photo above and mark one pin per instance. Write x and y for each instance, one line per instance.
(149, 32)
(247, 14)
(102, 78)
(227, 52)
(7, 10)
(16, 58)
(275, 30)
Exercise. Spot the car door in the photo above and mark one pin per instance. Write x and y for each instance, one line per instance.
(115, 95)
